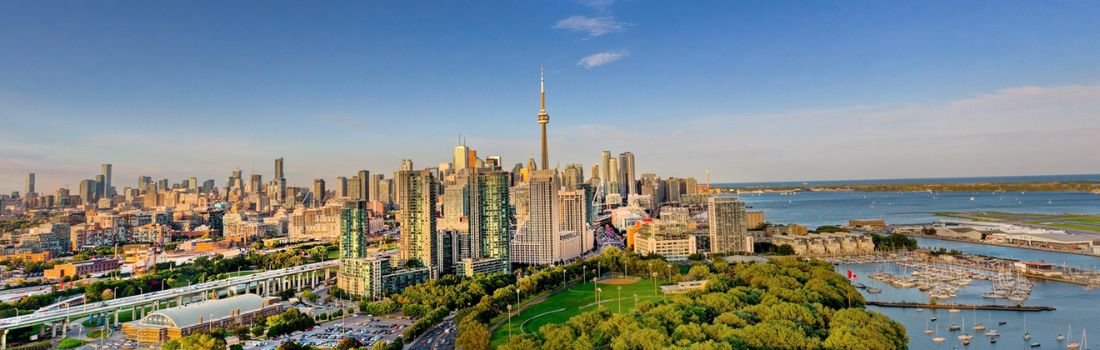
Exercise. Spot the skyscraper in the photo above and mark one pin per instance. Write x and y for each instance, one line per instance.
(353, 230)
(539, 242)
(627, 180)
(364, 185)
(727, 225)
(612, 176)
(417, 219)
(87, 191)
(107, 190)
(372, 187)
(605, 167)
(279, 168)
(461, 157)
(573, 176)
(193, 184)
(406, 165)
(255, 183)
(318, 193)
(342, 186)
(490, 217)
(30, 184)
(543, 119)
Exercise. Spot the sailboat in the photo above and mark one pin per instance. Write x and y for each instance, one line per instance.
(926, 329)
(965, 337)
(977, 325)
(992, 333)
(938, 338)
(1027, 333)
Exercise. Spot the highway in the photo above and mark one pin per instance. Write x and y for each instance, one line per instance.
(146, 299)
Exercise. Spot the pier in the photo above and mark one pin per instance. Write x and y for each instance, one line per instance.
(1033, 308)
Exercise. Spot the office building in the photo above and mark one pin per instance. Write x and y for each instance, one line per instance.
(30, 184)
(628, 184)
(318, 193)
(728, 233)
(342, 186)
(279, 169)
(605, 166)
(363, 185)
(108, 190)
(372, 187)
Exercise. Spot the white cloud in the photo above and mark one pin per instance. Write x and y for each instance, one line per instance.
(594, 26)
(601, 58)
(598, 5)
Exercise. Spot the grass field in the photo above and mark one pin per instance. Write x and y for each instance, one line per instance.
(558, 308)
(1082, 222)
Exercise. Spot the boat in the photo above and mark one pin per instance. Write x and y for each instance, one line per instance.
(926, 329)
(1027, 333)
(978, 326)
(953, 311)
(874, 290)
(933, 319)
(992, 333)
(1036, 344)
(965, 337)
(938, 338)
(954, 327)
(1002, 323)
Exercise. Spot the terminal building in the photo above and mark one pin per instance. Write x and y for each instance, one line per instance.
(177, 322)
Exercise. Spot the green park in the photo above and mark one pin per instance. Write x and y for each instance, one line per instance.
(617, 295)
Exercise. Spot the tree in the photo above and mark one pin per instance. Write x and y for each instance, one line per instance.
(348, 343)
(309, 295)
(472, 335)
(107, 294)
(197, 341)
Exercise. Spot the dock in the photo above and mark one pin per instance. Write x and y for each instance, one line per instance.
(962, 306)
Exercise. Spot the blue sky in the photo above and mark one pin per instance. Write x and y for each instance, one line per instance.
(752, 90)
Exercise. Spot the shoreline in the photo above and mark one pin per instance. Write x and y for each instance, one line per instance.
(962, 240)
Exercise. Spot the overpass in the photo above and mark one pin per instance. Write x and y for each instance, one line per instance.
(263, 283)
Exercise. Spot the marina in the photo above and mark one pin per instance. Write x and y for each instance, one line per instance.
(1049, 310)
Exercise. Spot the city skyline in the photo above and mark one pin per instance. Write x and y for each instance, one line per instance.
(754, 107)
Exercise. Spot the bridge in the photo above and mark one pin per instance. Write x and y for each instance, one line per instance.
(263, 283)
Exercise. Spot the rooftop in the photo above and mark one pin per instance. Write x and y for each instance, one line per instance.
(189, 315)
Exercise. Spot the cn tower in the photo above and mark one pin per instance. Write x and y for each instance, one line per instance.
(544, 118)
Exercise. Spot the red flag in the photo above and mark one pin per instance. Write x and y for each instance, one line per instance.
(851, 275)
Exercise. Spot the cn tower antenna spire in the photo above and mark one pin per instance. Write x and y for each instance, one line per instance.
(543, 119)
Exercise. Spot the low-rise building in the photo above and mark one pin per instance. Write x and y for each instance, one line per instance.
(177, 322)
(81, 268)
(671, 240)
(827, 244)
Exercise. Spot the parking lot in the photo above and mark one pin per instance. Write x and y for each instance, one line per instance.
(368, 329)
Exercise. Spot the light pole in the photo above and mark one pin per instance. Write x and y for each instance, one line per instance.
(654, 274)
(620, 288)
(509, 321)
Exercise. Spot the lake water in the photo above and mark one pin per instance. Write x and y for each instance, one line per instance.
(1075, 305)
(836, 208)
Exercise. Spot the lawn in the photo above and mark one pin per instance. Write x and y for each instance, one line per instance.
(1077, 227)
(558, 308)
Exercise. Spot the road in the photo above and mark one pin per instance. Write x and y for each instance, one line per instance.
(440, 337)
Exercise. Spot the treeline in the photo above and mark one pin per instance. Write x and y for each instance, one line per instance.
(893, 241)
(789, 305)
